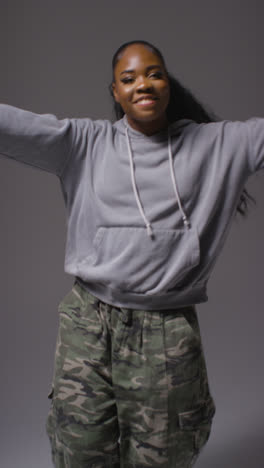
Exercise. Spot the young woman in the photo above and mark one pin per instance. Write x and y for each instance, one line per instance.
(149, 202)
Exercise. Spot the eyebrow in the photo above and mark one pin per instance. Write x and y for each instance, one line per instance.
(149, 68)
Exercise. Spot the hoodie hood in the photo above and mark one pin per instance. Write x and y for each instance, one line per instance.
(175, 128)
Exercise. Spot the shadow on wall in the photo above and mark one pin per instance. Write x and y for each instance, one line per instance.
(243, 451)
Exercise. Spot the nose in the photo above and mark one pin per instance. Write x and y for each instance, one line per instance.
(143, 84)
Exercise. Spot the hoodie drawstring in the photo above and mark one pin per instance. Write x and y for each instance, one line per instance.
(132, 172)
(186, 222)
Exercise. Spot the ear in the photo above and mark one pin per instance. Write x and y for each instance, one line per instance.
(115, 93)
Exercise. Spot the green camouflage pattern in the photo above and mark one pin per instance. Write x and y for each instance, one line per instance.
(130, 387)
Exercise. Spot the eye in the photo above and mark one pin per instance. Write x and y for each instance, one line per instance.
(127, 80)
(156, 75)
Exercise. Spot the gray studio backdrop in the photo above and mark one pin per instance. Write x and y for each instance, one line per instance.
(55, 58)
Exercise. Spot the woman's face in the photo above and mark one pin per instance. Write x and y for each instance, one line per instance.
(142, 89)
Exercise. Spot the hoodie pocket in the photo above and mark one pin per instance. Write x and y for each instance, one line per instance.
(126, 258)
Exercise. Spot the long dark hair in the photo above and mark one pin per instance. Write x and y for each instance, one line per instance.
(182, 105)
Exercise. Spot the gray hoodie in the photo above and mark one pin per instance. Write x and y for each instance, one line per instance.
(147, 216)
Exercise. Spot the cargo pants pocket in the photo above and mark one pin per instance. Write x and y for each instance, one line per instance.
(199, 421)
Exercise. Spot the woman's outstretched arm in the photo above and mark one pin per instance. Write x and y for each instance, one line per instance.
(42, 141)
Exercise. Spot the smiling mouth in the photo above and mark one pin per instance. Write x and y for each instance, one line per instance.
(147, 101)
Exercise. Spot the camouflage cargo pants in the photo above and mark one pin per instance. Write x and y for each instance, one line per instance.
(130, 387)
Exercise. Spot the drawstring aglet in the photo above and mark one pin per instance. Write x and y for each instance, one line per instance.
(149, 230)
(186, 222)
